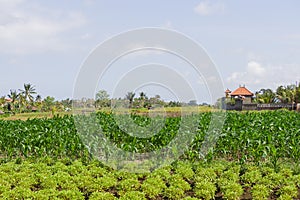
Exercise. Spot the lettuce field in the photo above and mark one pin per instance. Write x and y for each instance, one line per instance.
(256, 156)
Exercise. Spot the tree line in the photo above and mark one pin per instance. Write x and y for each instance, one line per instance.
(27, 100)
(283, 94)
(134, 100)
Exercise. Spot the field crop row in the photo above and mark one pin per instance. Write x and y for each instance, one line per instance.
(183, 180)
(257, 137)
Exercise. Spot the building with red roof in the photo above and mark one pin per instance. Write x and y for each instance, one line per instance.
(242, 93)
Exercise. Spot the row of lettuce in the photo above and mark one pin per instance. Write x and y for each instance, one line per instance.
(50, 179)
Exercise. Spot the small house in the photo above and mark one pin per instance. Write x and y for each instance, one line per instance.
(241, 93)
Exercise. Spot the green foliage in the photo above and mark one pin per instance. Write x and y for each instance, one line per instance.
(260, 192)
(102, 196)
(153, 186)
(50, 160)
(232, 191)
(173, 193)
(288, 192)
(70, 195)
(257, 137)
(252, 176)
(205, 189)
(229, 183)
(177, 187)
(133, 195)
(184, 169)
(102, 99)
(38, 180)
(37, 138)
(126, 185)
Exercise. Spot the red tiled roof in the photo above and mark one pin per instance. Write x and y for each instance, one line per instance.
(227, 91)
(241, 91)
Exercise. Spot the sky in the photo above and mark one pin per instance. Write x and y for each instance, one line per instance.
(45, 43)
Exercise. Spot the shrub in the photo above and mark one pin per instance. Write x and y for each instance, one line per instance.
(133, 195)
(153, 186)
(260, 192)
(102, 196)
(205, 189)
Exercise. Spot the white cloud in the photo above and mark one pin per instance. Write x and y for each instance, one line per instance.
(258, 75)
(208, 7)
(255, 69)
(24, 31)
(252, 75)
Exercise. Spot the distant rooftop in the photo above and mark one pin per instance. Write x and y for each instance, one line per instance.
(242, 91)
(227, 91)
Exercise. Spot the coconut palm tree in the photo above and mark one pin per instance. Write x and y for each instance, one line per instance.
(286, 94)
(27, 92)
(143, 95)
(22, 102)
(13, 95)
(143, 98)
(130, 97)
(38, 98)
(265, 96)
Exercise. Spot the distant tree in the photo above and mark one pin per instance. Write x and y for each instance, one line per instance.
(286, 94)
(265, 96)
(38, 103)
(66, 103)
(174, 104)
(22, 105)
(2, 101)
(192, 103)
(38, 98)
(13, 95)
(48, 103)
(156, 101)
(102, 95)
(28, 92)
(143, 100)
(130, 98)
(219, 102)
(143, 95)
(102, 99)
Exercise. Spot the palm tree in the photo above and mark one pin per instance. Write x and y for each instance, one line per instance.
(285, 94)
(38, 102)
(38, 98)
(130, 97)
(143, 95)
(28, 91)
(13, 95)
(142, 99)
(22, 102)
(265, 96)
(291, 91)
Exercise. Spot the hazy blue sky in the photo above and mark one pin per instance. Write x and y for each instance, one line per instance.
(44, 43)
